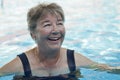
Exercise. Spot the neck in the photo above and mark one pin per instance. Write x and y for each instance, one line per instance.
(48, 58)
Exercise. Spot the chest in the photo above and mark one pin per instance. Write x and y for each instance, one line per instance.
(53, 72)
(39, 70)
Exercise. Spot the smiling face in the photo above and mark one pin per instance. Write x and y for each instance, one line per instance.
(50, 31)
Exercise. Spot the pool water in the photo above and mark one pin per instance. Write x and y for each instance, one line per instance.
(92, 29)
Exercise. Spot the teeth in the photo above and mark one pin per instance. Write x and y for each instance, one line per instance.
(53, 38)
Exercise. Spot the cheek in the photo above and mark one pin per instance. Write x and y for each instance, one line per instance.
(42, 30)
(45, 32)
(63, 30)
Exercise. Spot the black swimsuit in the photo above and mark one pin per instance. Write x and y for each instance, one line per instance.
(28, 73)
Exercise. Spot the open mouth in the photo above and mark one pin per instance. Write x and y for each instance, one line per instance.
(54, 38)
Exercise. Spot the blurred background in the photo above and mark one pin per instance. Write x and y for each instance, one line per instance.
(92, 28)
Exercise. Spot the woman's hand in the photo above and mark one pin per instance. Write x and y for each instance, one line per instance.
(115, 70)
(105, 67)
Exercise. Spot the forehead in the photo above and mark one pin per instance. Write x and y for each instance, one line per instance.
(57, 16)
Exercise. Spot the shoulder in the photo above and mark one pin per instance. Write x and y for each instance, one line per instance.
(82, 61)
(29, 53)
(14, 66)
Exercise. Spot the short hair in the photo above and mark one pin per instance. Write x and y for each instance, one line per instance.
(39, 11)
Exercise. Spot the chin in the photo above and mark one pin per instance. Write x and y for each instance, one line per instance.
(55, 47)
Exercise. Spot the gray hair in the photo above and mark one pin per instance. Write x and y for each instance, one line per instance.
(39, 11)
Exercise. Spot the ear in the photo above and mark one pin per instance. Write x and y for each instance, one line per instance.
(33, 35)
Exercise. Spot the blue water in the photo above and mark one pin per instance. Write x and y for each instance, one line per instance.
(92, 29)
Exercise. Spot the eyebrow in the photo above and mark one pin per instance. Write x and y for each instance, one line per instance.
(45, 21)
(59, 20)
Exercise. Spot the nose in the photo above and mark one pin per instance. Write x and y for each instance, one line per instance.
(54, 27)
(55, 30)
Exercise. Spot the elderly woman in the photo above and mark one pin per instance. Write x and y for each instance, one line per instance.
(48, 60)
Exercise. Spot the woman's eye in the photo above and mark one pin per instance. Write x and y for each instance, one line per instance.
(60, 23)
(46, 25)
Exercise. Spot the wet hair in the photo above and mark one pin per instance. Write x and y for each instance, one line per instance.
(39, 11)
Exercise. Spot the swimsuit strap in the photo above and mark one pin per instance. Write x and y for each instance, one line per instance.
(71, 60)
(26, 65)
(27, 69)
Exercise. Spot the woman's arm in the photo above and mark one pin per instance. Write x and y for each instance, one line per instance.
(104, 67)
(12, 67)
(84, 62)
